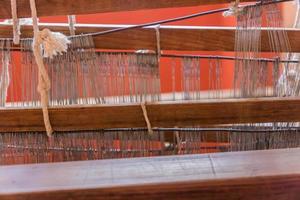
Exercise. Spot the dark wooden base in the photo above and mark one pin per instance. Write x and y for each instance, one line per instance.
(162, 114)
(260, 175)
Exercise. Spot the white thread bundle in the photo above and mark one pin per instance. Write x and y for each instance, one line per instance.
(52, 43)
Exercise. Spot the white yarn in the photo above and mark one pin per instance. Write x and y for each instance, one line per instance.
(52, 43)
(16, 25)
(296, 22)
(145, 51)
(289, 81)
(286, 82)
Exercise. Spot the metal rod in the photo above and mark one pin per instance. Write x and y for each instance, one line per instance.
(261, 129)
(210, 12)
(208, 57)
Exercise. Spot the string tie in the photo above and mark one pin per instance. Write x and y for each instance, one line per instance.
(15, 22)
(157, 33)
(234, 9)
(149, 127)
(72, 22)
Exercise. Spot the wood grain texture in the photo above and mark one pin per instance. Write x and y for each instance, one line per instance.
(162, 114)
(180, 38)
(263, 175)
(68, 7)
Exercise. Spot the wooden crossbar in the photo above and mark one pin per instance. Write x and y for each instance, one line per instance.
(162, 114)
(180, 38)
(68, 7)
(263, 175)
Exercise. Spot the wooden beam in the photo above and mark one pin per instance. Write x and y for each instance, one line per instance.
(180, 38)
(263, 175)
(162, 114)
(68, 7)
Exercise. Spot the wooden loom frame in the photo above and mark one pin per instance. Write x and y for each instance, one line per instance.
(160, 114)
(179, 38)
(233, 186)
(71, 7)
(263, 175)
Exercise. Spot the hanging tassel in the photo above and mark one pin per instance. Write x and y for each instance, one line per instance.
(52, 43)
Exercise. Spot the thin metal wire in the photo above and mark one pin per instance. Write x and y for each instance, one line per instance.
(220, 129)
(210, 12)
(227, 58)
(213, 57)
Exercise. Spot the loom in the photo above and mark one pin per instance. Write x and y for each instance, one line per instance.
(93, 111)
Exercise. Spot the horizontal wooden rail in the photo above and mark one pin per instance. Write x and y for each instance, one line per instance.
(68, 7)
(163, 114)
(263, 175)
(180, 38)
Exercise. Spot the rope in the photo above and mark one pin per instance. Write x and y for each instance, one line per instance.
(43, 80)
(157, 33)
(72, 22)
(178, 140)
(149, 127)
(15, 21)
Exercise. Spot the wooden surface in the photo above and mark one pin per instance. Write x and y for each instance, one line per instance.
(260, 175)
(67, 7)
(163, 114)
(181, 38)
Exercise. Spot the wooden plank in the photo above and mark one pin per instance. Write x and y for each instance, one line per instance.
(161, 114)
(263, 175)
(68, 7)
(179, 38)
